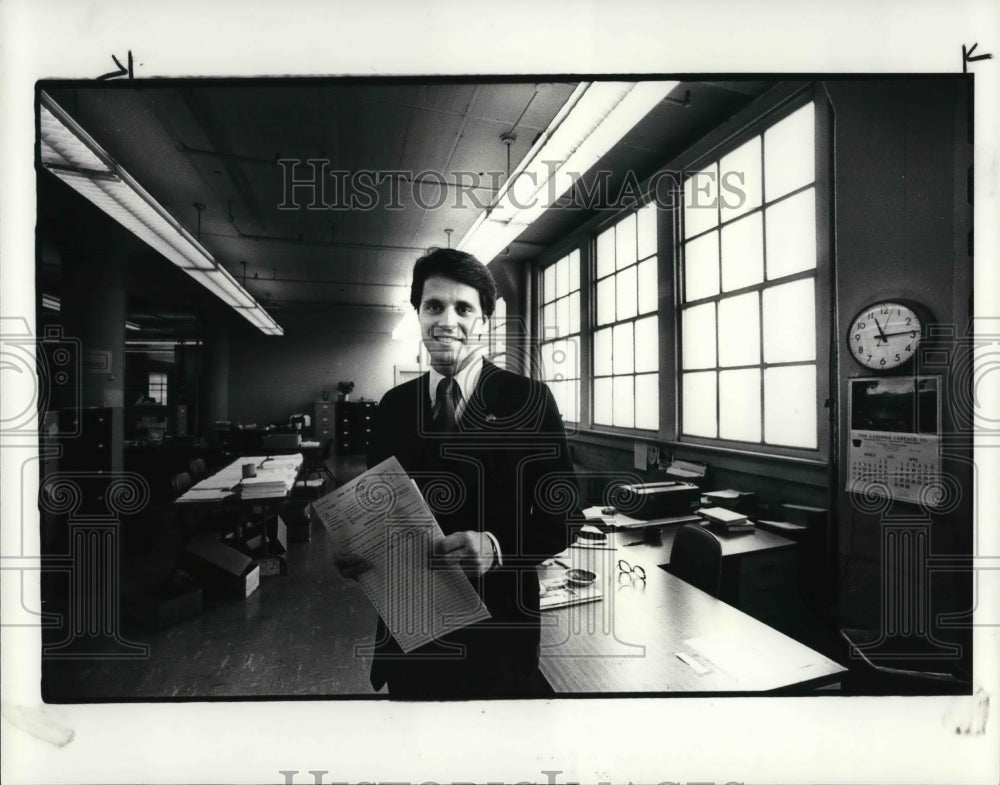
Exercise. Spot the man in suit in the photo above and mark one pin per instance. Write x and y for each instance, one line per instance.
(488, 449)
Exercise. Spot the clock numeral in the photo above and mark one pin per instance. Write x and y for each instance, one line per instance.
(861, 350)
(857, 337)
(913, 334)
(882, 361)
(869, 358)
(898, 358)
(885, 311)
(908, 321)
(909, 347)
(861, 325)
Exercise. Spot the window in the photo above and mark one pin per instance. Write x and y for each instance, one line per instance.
(560, 344)
(748, 291)
(158, 388)
(498, 334)
(626, 331)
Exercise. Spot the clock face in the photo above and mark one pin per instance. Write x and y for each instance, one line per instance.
(884, 335)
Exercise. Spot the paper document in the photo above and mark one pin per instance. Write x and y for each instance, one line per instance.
(382, 517)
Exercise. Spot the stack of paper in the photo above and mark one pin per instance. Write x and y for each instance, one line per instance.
(725, 520)
(381, 518)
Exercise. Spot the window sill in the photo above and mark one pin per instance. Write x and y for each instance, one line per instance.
(808, 471)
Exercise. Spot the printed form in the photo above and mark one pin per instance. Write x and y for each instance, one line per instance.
(382, 517)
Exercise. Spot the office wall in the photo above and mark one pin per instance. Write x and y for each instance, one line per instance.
(902, 231)
(273, 377)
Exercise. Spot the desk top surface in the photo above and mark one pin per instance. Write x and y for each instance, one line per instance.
(733, 545)
(275, 478)
(629, 641)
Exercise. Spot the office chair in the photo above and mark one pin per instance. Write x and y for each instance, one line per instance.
(880, 664)
(696, 557)
(179, 483)
(198, 469)
(316, 464)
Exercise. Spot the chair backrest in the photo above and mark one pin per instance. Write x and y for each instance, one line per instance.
(198, 469)
(696, 557)
(180, 483)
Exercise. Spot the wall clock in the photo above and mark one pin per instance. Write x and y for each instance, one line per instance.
(885, 335)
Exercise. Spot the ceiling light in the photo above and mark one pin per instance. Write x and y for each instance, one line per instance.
(591, 122)
(78, 160)
(132, 326)
(50, 302)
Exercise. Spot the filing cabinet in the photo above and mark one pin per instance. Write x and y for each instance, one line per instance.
(353, 423)
(323, 427)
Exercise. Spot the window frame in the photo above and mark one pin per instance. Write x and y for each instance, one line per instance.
(542, 339)
(719, 145)
(593, 327)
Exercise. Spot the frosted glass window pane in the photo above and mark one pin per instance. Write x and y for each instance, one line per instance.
(602, 401)
(562, 277)
(602, 352)
(647, 345)
(574, 271)
(572, 402)
(791, 235)
(623, 358)
(742, 253)
(701, 267)
(558, 390)
(739, 405)
(549, 320)
(647, 230)
(625, 242)
(628, 301)
(698, 345)
(740, 187)
(572, 361)
(789, 153)
(606, 252)
(647, 401)
(562, 316)
(547, 367)
(549, 284)
(701, 201)
(623, 404)
(790, 322)
(790, 406)
(606, 301)
(699, 404)
(739, 330)
(574, 313)
(560, 361)
(649, 289)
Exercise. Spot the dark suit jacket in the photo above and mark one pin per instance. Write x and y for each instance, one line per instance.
(507, 471)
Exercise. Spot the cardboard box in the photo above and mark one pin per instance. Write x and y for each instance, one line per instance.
(219, 569)
(162, 606)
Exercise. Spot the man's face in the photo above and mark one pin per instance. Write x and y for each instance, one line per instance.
(451, 320)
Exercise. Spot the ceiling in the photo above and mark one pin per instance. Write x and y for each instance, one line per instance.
(220, 144)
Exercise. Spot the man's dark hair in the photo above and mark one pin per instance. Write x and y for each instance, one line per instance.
(457, 266)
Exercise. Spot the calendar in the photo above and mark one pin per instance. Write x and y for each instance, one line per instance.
(894, 445)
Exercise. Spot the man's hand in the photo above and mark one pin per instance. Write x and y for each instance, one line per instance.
(351, 565)
(472, 550)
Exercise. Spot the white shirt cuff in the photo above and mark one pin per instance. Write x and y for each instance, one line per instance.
(496, 546)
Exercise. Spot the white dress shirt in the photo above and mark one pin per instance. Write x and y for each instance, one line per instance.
(466, 379)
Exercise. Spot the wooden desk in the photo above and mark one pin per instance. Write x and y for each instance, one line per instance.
(628, 642)
(760, 570)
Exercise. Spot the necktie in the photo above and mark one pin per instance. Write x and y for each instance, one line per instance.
(444, 416)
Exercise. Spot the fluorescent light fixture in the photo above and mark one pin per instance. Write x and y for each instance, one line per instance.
(50, 302)
(132, 326)
(591, 122)
(73, 156)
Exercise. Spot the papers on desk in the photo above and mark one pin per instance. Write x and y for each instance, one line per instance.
(555, 592)
(204, 495)
(753, 654)
(275, 477)
(382, 517)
